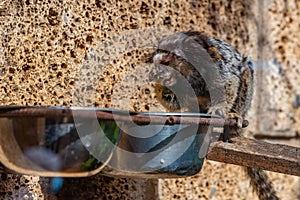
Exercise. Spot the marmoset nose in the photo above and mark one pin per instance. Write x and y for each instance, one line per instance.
(166, 60)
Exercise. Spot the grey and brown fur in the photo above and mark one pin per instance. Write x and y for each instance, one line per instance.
(220, 77)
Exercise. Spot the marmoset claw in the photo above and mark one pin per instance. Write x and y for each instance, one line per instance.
(237, 117)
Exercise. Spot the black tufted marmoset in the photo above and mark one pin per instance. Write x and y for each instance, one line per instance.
(221, 80)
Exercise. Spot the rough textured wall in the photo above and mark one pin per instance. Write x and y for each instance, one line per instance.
(45, 43)
(278, 69)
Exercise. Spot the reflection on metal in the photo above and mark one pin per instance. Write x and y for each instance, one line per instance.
(157, 143)
(49, 145)
(174, 151)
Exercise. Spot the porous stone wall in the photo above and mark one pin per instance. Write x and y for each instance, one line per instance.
(278, 69)
(46, 47)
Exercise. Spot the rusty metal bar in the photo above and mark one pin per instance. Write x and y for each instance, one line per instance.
(254, 153)
(107, 114)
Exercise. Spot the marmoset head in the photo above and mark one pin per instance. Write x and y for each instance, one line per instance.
(183, 56)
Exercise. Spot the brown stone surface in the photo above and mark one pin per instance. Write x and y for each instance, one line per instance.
(99, 187)
(278, 69)
(20, 187)
(44, 44)
(223, 181)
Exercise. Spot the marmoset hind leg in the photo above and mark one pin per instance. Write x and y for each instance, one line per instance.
(237, 106)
